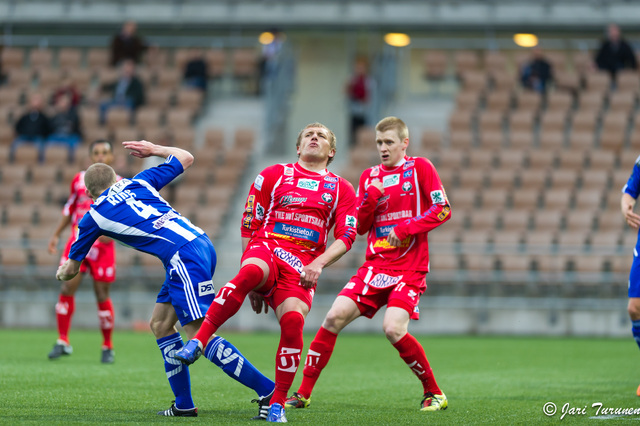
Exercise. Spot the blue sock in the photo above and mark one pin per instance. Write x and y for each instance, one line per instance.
(235, 365)
(635, 329)
(177, 372)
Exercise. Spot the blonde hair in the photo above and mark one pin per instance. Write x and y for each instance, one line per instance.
(332, 137)
(99, 177)
(389, 123)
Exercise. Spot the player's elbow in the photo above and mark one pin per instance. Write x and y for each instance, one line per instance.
(187, 160)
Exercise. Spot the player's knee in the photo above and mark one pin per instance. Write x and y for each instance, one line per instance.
(335, 321)
(394, 332)
(159, 327)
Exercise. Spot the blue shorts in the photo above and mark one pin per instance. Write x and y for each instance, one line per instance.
(189, 285)
(634, 275)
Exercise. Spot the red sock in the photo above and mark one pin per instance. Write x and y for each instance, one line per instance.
(228, 300)
(106, 317)
(412, 353)
(64, 311)
(288, 356)
(318, 356)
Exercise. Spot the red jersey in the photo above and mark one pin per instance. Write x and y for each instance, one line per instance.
(297, 208)
(414, 203)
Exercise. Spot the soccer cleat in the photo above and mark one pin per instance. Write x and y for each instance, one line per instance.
(638, 391)
(432, 402)
(276, 414)
(189, 352)
(177, 412)
(59, 349)
(263, 407)
(108, 356)
(297, 401)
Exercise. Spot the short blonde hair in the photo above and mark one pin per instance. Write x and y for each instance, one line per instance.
(98, 178)
(332, 137)
(393, 123)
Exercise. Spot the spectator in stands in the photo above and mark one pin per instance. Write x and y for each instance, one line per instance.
(65, 124)
(359, 90)
(537, 72)
(615, 53)
(67, 90)
(127, 45)
(126, 92)
(196, 74)
(33, 126)
(269, 57)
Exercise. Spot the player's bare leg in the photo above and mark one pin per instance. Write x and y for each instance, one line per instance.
(64, 313)
(106, 317)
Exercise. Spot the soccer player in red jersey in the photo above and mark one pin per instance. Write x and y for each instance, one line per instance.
(101, 262)
(399, 202)
(288, 214)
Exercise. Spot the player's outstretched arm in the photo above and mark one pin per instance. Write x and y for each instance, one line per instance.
(626, 205)
(68, 270)
(144, 149)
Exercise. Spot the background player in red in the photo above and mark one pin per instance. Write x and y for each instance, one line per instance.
(101, 262)
(399, 202)
(288, 214)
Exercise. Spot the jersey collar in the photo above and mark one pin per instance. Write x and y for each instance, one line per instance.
(400, 163)
(301, 169)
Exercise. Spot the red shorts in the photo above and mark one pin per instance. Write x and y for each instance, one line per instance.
(101, 260)
(285, 266)
(372, 288)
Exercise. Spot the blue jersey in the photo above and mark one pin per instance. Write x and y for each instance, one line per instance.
(633, 184)
(133, 212)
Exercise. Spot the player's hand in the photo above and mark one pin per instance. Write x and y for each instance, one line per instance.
(310, 274)
(633, 220)
(393, 239)
(53, 244)
(257, 302)
(65, 271)
(377, 184)
(140, 149)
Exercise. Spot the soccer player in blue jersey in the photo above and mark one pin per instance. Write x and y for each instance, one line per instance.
(133, 212)
(630, 194)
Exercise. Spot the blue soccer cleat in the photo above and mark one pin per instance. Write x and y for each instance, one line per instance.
(189, 352)
(276, 414)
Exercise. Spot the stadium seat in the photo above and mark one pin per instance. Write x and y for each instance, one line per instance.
(566, 80)
(560, 102)
(520, 140)
(589, 198)
(148, 117)
(515, 220)
(551, 139)
(467, 100)
(34, 194)
(598, 81)
(40, 58)
(27, 153)
(528, 100)
(49, 78)
(503, 80)
(540, 241)
(184, 137)
(431, 140)
(563, 178)
(522, 120)
(463, 199)
(627, 81)
(480, 159)
(245, 137)
(498, 102)
(622, 102)
(216, 62)
(13, 174)
(465, 60)
(13, 257)
(553, 121)
(57, 154)
(602, 160)
(501, 178)
(18, 215)
(435, 64)
(168, 78)
(495, 198)
(117, 118)
(463, 139)
(533, 178)
(612, 139)
(18, 78)
(244, 63)
(461, 121)
(585, 120)
(179, 117)
(98, 58)
(538, 159)
(69, 58)
(189, 99)
(474, 80)
(557, 198)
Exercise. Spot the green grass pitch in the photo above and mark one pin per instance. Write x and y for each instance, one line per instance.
(488, 380)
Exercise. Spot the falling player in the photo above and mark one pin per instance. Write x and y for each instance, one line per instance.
(133, 212)
(100, 262)
(399, 202)
(288, 215)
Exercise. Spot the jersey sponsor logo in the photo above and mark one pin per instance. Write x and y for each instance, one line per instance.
(383, 231)
(289, 259)
(296, 232)
(408, 164)
(310, 184)
(206, 287)
(375, 171)
(330, 186)
(331, 179)
(384, 281)
(288, 171)
(384, 244)
(257, 184)
(412, 294)
(326, 197)
(406, 187)
(444, 213)
(407, 174)
(287, 200)
(246, 222)
(259, 211)
(402, 214)
(437, 197)
(162, 220)
(250, 202)
(390, 180)
(350, 221)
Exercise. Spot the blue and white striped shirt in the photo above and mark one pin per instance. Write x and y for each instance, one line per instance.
(133, 212)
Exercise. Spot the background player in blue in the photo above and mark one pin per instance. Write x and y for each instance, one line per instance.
(630, 193)
(133, 212)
